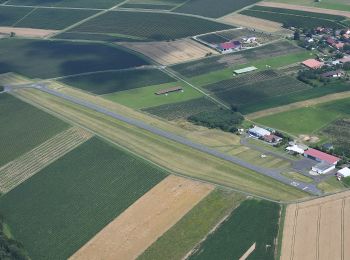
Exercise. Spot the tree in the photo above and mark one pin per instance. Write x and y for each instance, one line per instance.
(297, 35)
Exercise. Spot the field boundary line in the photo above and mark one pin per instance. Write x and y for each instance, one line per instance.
(52, 7)
(25, 16)
(86, 19)
(342, 229)
(318, 232)
(295, 224)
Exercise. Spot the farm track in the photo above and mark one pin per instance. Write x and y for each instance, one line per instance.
(27, 165)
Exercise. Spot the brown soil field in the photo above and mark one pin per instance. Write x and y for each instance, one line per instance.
(27, 32)
(296, 105)
(173, 52)
(252, 22)
(305, 8)
(318, 229)
(146, 220)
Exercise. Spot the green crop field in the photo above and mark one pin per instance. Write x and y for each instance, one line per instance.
(145, 97)
(343, 5)
(60, 208)
(255, 88)
(309, 119)
(148, 6)
(113, 81)
(148, 26)
(55, 19)
(10, 15)
(252, 222)
(294, 18)
(183, 109)
(47, 59)
(208, 65)
(23, 127)
(67, 3)
(214, 9)
(338, 133)
(193, 227)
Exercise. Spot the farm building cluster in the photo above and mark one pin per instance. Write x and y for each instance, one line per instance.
(269, 136)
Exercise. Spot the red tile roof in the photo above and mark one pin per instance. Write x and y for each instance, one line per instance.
(322, 156)
(313, 64)
(227, 45)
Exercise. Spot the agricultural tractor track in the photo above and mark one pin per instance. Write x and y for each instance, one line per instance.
(275, 174)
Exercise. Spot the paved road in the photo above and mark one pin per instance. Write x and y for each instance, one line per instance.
(179, 139)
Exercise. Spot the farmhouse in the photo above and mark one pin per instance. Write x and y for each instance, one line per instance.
(273, 139)
(312, 64)
(168, 90)
(258, 132)
(345, 172)
(333, 74)
(245, 70)
(321, 156)
(323, 168)
(228, 47)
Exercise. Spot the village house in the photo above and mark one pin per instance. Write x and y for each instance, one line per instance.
(228, 47)
(272, 139)
(313, 64)
(258, 132)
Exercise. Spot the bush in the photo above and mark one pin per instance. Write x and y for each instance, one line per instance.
(225, 120)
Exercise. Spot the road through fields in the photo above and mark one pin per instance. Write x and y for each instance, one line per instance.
(275, 174)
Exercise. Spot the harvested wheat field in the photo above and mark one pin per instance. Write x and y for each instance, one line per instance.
(318, 229)
(305, 8)
(146, 220)
(27, 32)
(172, 52)
(252, 22)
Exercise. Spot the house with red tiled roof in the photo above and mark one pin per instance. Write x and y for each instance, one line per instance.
(313, 64)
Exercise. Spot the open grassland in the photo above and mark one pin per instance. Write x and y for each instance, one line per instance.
(318, 229)
(22, 168)
(298, 177)
(10, 15)
(331, 185)
(23, 127)
(270, 62)
(114, 81)
(340, 5)
(216, 63)
(146, 97)
(148, 26)
(161, 151)
(295, 18)
(60, 208)
(148, 218)
(67, 3)
(54, 19)
(46, 59)
(193, 227)
(252, 222)
(309, 119)
(171, 52)
(183, 109)
(308, 9)
(214, 9)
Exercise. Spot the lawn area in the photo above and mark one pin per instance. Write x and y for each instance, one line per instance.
(23, 127)
(193, 227)
(307, 120)
(63, 206)
(114, 81)
(298, 177)
(252, 222)
(145, 97)
(331, 185)
(48, 59)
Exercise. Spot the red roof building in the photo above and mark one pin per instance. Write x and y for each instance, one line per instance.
(321, 156)
(313, 64)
